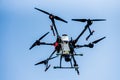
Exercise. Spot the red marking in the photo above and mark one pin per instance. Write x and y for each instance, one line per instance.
(51, 16)
(56, 44)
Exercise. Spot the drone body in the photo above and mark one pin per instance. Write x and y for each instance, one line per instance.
(63, 46)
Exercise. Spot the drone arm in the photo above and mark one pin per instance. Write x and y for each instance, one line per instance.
(44, 43)
(51, 55)
(80, 46)
(38, 43)
(75, 41)
(53, 22)
(90, 45)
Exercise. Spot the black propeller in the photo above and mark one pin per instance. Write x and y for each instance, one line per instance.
(96, 41)
(42, 62)
(52, 16)
(38, 41)
(84, 20)
(90, 45)
(45, 61)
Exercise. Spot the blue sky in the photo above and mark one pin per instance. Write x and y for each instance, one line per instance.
(21, 25)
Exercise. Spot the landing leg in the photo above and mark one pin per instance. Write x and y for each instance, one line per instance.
(60, 60)
(71, 63)
(75, 65)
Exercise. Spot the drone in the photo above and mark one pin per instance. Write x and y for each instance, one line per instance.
(64, 47)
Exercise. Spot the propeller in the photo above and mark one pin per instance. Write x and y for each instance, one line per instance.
(42, 62)
(38, 41)
(84, 20)
(51, 16)
(90, 45)
(45, 61)
(96, 41)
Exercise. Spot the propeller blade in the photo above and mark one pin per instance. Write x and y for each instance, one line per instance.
(42, 62)
(34, 44)
(84, 20)
(43, 11)
(38, 41)
(98, 19)
(47, 67)
(45, 61)
(43, 36)
(51, 15)
(81, 20)
(91, 45)
(60, 19)
(96, 41)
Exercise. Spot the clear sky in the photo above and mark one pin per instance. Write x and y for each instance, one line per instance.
(21, 25)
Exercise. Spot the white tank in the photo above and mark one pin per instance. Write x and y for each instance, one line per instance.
(65, 37)
(65, 44)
